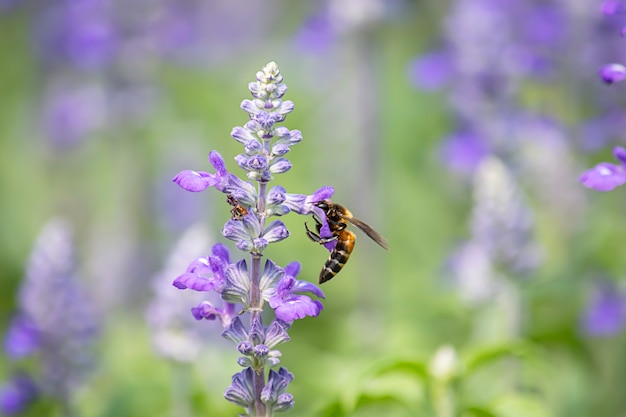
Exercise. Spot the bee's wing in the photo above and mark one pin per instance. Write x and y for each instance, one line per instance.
(373, 234)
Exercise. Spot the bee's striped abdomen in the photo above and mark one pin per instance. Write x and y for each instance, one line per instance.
(339, 256)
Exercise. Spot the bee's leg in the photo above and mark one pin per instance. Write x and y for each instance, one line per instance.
(317, 238)
(311, 234)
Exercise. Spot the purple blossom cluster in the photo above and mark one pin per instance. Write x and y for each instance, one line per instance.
(605, 313)
(100, 57)
(606, 176)
(502, 242)
(613, 72)
(174, 333)
(246, 286)
(56, 322)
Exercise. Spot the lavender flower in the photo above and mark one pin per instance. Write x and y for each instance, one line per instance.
(605, 314)
(246, 286)
(606, 176)
(176, 334)
(56, 318)
(17, 394)
(613, 72)
(501, 221)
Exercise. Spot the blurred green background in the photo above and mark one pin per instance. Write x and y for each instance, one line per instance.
(369, 133)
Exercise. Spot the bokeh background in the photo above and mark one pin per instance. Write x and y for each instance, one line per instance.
(456, 128)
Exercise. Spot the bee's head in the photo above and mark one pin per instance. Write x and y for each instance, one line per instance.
(324, 204)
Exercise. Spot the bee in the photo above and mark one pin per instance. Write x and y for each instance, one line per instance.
(338, 218)
(238, 211)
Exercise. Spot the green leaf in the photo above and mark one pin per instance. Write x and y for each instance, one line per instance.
(491, 354)
(477, 411)
(415, 368)
(520, 405)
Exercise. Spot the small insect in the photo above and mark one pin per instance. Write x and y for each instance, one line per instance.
(338, 218)
(238, 211)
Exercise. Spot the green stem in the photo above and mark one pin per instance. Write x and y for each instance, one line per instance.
(256, 301)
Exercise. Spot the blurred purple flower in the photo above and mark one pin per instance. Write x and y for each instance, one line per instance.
(316, 35)
(80, 32)
(502, 222)
(7, 4)
(57, 306)
(22, 338)
(605, 314)
(461, 152)
(432, 70)
(612, 7)
(175, 334)
(71, 114)
(599, 132)
(606, 176)
(17, 394)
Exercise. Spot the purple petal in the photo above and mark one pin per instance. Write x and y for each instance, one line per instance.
(249, 107)
(306, 286)
(276, 232)
(298, 307)
(276, 195)
(242, 135)
(195, 181)
(235, 332)
(323, 193)
(620, 154)
(285, 107)
(218, 163)
(603, 177)
(194, 282)
(280, 166)
(292, 269)
(612, 73)
(221, 252)
(205, 310)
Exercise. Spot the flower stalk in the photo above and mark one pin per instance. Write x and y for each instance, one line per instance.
(261, 393)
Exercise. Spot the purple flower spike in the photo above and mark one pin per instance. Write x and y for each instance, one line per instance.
(249, 287)
(612, 73)
(606, 176)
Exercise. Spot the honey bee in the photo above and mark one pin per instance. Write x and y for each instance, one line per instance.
(338, 218)
(238, 211)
